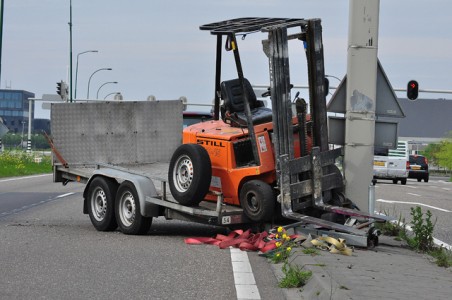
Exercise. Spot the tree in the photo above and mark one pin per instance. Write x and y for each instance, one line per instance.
(444, 154)
(431, 152)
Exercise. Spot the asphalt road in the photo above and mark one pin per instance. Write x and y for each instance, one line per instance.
(21, 193)
(50, 250)
(435, 195)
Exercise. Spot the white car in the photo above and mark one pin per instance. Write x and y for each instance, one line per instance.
(392, 164)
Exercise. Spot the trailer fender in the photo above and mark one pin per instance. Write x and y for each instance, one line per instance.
(144, 186)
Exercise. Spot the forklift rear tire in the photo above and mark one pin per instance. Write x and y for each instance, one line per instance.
(258, 200)
(190, 173)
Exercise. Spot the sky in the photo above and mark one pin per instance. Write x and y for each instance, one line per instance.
(156, 48)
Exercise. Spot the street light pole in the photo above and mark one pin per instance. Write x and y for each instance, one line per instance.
(111, 94)
(76, 70)
(89, 81)
(2, 8)
(70, 47)
(97, 95)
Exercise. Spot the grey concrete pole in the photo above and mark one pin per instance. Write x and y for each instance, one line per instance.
(361, 99)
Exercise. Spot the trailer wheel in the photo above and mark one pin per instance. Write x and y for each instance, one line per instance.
(190, 173)
(128, 213)
(258, 200)
(101, 197)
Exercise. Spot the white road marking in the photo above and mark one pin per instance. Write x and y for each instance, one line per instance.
(18, 210)
(410, 187)
(64, 195)
(442, 244)
(245, 284)
(26, 177)
(412, 203)
(446, 189)
(412, 194)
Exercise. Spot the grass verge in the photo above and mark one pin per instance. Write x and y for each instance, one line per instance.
(14, 163)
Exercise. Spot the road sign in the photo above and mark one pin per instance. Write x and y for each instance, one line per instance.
(386, 103)
(51, 97)
(386, 132)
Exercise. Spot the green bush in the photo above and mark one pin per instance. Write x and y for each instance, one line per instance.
(13, 141)
(422, 229)
(294, 276)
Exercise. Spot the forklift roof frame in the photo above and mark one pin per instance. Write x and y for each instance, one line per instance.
(231, 28)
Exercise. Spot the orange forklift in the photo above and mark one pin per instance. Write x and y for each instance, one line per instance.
(271, 162)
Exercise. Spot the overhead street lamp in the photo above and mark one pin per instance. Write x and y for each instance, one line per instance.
(327, 83)
(76, 70)
(97, 95)
(333, 77)
(89, 81)
(114, 93)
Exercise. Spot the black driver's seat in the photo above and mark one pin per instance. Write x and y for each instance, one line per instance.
(233, 108)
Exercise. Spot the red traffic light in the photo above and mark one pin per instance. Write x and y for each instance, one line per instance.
(412, 90)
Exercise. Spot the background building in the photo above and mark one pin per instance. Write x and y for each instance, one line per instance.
(427, 121)
(14, 109)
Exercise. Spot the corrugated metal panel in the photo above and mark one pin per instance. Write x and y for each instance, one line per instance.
(117, 132)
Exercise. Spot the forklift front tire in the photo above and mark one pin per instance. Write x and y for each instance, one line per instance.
(258, 200)
(190, 173)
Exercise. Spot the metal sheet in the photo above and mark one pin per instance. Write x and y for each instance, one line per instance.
(117, 132)
(386, 132)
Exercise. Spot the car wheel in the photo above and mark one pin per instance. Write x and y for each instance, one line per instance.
(420, 179)
(394, 181)
(403, 181)
(190, 173)
(426, 179)
(100, 202)
(128, 211)
(258, 200)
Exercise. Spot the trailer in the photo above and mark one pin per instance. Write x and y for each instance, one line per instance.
(121, 152)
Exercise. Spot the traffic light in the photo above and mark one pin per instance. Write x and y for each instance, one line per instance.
(62, 90)
(59, 86)
(412, 90)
